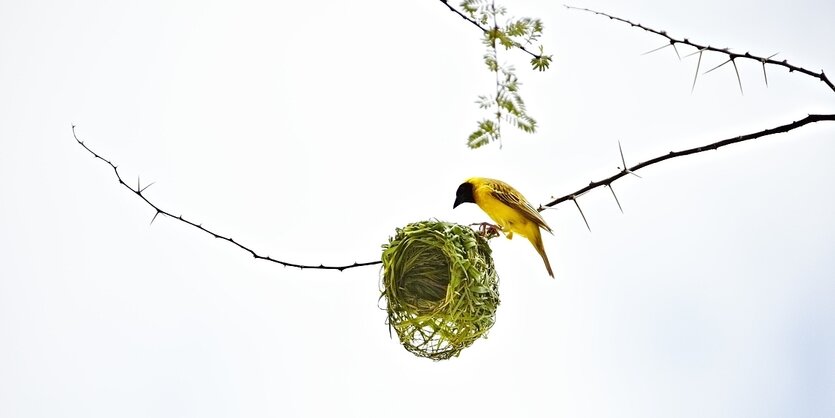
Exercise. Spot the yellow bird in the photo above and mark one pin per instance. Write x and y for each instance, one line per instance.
(508, 208)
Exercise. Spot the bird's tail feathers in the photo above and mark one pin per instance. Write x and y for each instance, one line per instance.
(536, 240)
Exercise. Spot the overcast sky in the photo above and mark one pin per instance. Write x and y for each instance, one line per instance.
(311, 130)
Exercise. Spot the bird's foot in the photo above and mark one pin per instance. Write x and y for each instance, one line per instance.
(487, 230)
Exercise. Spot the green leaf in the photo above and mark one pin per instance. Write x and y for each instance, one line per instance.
(485, 134)
(541, 62)
(490, 61)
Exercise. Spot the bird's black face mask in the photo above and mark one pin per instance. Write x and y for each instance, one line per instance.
(464, 195)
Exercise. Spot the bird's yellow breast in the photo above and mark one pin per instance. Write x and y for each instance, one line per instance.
(507, 218)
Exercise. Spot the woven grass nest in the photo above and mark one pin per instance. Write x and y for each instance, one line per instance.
(440, 286)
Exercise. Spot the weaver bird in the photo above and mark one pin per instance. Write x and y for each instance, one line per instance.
(508, 208)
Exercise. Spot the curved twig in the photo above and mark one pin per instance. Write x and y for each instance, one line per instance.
(483, 29)
(138, 191)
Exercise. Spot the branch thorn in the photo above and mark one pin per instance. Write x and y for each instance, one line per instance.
(657, 49)
(696, 76)
(616, 197)
(716, 67)
(623, 160)
(155, 217)
(581, 212)
(738, 79)
(763, 61)
(149, 185)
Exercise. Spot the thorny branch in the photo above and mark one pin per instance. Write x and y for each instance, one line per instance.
(732, 56)
(571, 196)
(700, 49)
(607, 182)
(139, 190)
(673, 154)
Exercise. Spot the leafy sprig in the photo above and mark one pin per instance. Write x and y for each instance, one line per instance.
(506, 104)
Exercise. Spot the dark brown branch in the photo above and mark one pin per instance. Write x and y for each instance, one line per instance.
(673, 154)
(139, 190)
(732, 56)
(571, 196)
(478, 25)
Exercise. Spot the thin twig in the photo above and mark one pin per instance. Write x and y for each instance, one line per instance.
(731, 55)
(673, 154)
(483, 29)
(498, 83)
(138, 191)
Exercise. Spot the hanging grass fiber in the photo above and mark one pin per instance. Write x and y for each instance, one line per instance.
(440, 286)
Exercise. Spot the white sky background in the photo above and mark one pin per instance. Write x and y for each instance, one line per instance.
(310, 130)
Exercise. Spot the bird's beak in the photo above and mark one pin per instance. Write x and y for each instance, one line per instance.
(458, 201)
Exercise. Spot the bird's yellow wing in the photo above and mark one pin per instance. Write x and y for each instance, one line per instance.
(506, 194)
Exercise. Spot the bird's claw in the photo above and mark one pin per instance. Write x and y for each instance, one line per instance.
(487, 230)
